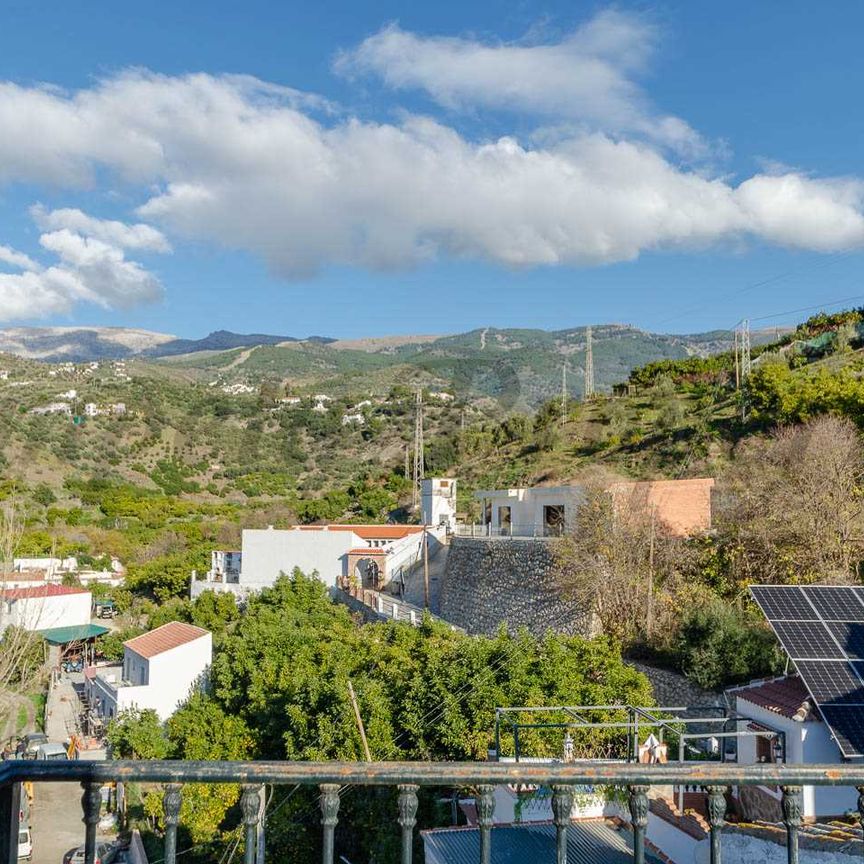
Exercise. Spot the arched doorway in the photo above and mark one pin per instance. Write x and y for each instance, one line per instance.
(367, 573)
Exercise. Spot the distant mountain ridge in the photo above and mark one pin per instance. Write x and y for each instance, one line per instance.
(82, 344)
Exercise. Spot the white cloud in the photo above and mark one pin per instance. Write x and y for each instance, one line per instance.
(88, 270)
(16, 259)
(245, 165)
(139, 236)
(586, 77)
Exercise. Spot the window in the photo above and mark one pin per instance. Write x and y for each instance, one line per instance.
(553, 520)
(504, 519)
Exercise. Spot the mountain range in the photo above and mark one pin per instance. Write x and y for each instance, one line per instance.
(517, 367)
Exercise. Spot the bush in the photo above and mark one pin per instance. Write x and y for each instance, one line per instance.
(719, 645)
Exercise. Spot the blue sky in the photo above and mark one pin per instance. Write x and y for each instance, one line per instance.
(389, 168)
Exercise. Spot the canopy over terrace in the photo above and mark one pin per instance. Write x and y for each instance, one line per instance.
(63, 641)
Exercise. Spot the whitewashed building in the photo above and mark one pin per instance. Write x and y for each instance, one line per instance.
(44, 607)
(438, 501)
(160, 670)
(368, 555)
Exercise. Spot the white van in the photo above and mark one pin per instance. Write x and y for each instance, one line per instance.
(51, 751)
(25, 844)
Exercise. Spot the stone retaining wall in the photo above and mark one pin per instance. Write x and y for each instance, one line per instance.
(490, 581)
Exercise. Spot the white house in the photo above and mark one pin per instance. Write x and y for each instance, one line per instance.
(680, 507)
(52, 567)
(160, 669)
(353, 419)
(43, 607)
(784, 706)
(370, 555)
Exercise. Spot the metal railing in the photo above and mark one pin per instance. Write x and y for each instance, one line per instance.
(534, 530)
(408, 777)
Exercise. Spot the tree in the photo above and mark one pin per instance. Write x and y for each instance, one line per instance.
(790, 506)
(137, 734)
(606, 561)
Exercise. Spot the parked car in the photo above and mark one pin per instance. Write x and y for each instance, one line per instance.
(51, 751)
(33, 742)
(105, 854)
(25, 844)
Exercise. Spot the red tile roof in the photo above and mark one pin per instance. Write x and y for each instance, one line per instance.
(164, 638)
(368, 532)
(783, 696)
(41, 591)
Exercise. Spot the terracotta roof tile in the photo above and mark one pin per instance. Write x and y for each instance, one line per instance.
(164, 638)
(783, 696)
(42, 591)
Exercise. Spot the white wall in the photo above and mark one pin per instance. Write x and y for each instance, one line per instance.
(170, 676)
(269, 552)
(674, 844)
(807, 743)
(526, 506)
(43, 613)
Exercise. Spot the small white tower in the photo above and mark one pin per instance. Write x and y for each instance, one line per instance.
(438, 502)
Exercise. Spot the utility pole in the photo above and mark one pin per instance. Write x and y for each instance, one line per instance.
(745, 349)
(425, 569)
(649, 608)
(564, 394)
(419, 456)
(359, 720)
(589, 365)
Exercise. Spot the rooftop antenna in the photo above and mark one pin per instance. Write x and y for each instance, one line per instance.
(589, 365)
(419, 457)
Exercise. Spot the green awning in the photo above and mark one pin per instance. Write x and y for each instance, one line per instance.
(65, 635)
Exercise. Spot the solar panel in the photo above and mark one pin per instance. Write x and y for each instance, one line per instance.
(849, 636)
(807, 640)
(835, 603)
(783, 603)
(832, 682)
(848, 727)
(821, 628)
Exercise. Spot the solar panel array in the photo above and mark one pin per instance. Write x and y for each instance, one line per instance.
(821, 628)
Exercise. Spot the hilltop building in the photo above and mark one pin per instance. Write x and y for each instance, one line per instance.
(680, 507)
(368, 555)
(159, 671)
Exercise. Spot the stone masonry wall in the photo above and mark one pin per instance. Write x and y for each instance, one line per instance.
(511, 580)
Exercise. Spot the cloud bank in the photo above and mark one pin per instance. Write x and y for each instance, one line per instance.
(87, 269)
(249, 165)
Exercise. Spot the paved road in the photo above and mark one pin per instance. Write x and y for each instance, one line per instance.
(56, 821)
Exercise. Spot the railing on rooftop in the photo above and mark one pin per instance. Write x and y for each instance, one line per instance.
(408, 777)
(536, 530)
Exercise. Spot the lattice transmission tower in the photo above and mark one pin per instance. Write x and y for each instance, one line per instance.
(589, 365)
(419, 455)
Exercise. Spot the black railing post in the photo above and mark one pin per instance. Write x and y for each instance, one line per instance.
(329, 818)
(407, 819)
(485, 801)
(716, 818)
(250, 806)
(10, 806)
(91, 804)
(171, 801)
(562, 808)
(792, 819)
(639, 820)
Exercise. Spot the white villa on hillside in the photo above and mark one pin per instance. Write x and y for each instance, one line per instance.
(370, 556)
(159, 671)
(681, 507)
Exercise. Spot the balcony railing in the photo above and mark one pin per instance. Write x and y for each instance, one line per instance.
(408, 777)
(523, 530)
